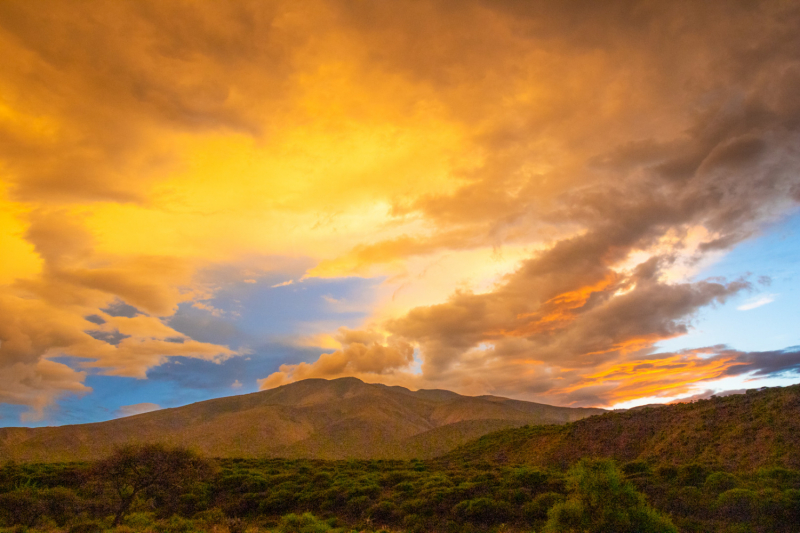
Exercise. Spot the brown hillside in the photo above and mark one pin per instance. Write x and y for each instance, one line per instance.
(315, 418)
(740, 432)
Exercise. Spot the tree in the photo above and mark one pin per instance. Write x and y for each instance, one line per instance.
(601, 500)
(146, 469)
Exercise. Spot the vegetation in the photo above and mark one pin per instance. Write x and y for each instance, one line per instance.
(151, 470)
(602, 500)
(309, 496)
(741, 432)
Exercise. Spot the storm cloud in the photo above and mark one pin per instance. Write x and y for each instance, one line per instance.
(533, 185)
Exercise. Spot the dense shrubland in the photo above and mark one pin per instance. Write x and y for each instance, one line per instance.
(158, 489)
(743, 432)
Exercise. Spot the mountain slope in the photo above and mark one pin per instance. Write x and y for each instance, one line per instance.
(740, 432)
(315, 418)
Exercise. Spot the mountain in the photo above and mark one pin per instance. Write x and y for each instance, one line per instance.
(740, 433)
(315, 418)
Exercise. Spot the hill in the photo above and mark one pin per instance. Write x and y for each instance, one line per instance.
(316, 418)
(737, 433)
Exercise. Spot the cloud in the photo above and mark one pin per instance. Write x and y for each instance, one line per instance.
(77, 307)
(775, 362)
(362, 352)
(152, 153)
(137, 409)
(709, 393)
(37, 384)
(757, 302)
(571, 320)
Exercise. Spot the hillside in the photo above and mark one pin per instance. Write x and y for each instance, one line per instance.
(315, 418)
(739, 433)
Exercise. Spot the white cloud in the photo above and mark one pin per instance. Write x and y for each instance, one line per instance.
(757, 302)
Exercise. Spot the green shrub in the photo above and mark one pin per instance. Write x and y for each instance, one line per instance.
(783, 477)
(89, 526)
(531, 478)
(719, 482)
(667, 472)
(601, 500)
(737, 505)
(483, 511)
(356, 506)
(405, 487)
(537, 508)
(176, 524)
(305, 523)
(636, 468)
(383, 512)
(689, 500)
(21, 506)
(210, 516)
(139, 520)
(60, 504)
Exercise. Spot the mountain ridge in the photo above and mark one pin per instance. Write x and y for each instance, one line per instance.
(742, 432)
(316, 418)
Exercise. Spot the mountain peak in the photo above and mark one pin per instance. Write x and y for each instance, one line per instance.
(315, 418)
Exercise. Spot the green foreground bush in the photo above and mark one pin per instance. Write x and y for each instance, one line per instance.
(241, 495)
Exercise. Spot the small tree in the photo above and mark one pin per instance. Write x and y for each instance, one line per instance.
(601, 500)
(137, 470)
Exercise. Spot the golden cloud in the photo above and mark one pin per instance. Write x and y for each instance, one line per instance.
(608, 147)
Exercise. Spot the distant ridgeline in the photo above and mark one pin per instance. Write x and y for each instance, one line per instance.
(349, 419)
(315, 418)
(742, 432)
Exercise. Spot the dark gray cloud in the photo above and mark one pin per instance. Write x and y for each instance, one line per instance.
(120, 308)
(770, 363)
(111, 337)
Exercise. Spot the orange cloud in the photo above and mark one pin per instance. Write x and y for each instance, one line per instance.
(361, 353)
(608, 148)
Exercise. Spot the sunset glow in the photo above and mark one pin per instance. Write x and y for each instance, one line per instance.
(574, 203)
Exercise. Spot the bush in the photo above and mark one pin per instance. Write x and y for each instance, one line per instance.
(667, 472)
(60, 504)
(176, 524)
(305, 523)
(356, 506)
(211, 516)
(719, 482)
(537, 508)
(89, 526)
(783, 477)
(139, 520)
(531, 478)
(483, 511)
(601, 500)
(688, 500)
(636, 468)
(737, 505)
(692, 474)
(21, 507)
(383, 512)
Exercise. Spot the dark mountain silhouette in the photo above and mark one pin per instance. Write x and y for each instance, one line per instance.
(741, 432)
(314, 418)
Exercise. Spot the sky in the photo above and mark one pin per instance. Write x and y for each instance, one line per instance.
(568, 202)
